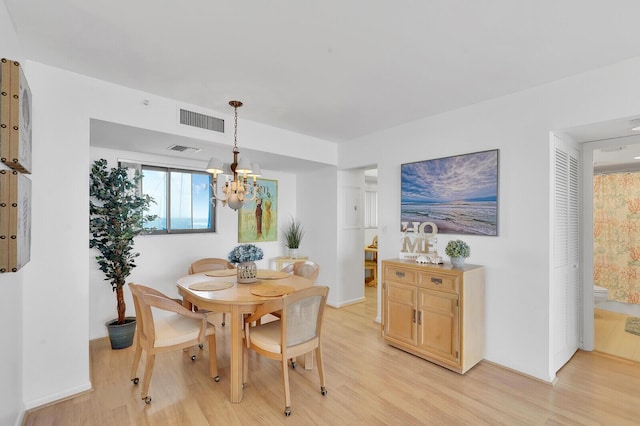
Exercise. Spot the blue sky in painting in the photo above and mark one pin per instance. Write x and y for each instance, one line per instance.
(468, 177)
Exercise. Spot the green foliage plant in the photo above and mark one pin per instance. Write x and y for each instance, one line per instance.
(293, 233)
(117, 213)
(457, 248)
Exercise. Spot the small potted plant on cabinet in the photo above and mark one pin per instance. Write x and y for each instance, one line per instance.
(457, 250)
(116, 216)
(293, 234)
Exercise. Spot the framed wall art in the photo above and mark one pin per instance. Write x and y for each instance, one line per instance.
(15, 220)
(459, 193)
(15, 117)
(258, 219)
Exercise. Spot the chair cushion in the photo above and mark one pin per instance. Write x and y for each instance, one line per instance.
(175, 329)
(266, 336)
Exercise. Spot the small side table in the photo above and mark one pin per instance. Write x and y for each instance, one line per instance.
(282, 261)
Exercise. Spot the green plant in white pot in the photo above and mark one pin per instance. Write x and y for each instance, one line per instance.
(457, 250)
(117, 213)
(293, 234)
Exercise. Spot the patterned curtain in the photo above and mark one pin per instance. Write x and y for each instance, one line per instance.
(616, 235)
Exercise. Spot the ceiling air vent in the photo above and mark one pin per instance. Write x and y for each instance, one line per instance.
(182, 148)
(195, 119)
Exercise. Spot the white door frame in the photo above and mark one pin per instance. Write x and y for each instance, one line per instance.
(586, 332)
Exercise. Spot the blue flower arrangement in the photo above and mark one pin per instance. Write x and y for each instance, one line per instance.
(245, 253)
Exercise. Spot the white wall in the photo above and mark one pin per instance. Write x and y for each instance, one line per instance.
(317, 209)
(11, 306)
(518, 271)
(350, 236)
(55, 333)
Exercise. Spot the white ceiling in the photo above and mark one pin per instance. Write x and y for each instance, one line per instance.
(332, 69)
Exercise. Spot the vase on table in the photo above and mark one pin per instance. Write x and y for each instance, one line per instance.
(457, 262)
(294, 253)
(247, 272)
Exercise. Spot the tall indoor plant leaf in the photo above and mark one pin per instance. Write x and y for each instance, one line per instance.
(116, 216)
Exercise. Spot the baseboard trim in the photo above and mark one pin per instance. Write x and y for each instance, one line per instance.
(520, 373)
(63, 396)
(347, 303)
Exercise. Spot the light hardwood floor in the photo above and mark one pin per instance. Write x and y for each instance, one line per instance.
(610, 337)
(368, 382)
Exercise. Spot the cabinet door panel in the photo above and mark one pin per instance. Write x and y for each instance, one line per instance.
(400, 312)
(438, 328)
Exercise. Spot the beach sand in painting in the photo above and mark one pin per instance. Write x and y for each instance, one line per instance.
(476, 218)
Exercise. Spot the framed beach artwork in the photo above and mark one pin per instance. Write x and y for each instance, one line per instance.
(258, 219)
(459, 193)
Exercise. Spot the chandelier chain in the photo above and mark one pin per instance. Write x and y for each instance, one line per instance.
(235, 128)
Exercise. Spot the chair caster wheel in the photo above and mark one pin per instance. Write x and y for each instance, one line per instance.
(216, 379)
(147, 400)
(193, 357)
(323, 391)
(223, 323)
(287, 411)
(135, 381)
(294, 364)
(201, 346)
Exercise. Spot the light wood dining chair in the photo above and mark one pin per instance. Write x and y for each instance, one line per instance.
(303, 268)
(298, 331)
(211, 264)
(183, 330)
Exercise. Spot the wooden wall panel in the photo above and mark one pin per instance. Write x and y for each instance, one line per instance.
(15, 117)
(15, 220)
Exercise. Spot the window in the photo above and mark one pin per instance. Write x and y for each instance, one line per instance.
(370, 209)
(182, 199)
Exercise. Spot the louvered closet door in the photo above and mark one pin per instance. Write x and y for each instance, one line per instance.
(565, 293)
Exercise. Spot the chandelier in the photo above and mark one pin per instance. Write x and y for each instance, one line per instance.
(235, 189)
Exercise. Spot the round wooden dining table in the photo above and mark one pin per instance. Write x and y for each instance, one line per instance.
(227, 295)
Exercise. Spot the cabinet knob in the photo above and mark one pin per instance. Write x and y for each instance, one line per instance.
(399, 274)
(436, 281)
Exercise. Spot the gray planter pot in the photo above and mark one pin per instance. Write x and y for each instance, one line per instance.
(121, 335)
(457, 262)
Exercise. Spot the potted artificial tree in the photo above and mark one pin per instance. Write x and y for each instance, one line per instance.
(116, 216)
(293, 234)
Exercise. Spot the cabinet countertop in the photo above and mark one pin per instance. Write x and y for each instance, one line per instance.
(442, 266)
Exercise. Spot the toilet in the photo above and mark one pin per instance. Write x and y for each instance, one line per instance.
(600, 294)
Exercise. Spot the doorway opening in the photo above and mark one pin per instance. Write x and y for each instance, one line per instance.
(616, 234)
(606, 147)
(370, 242)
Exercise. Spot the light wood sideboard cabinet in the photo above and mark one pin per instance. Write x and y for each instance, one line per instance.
(434, 311)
